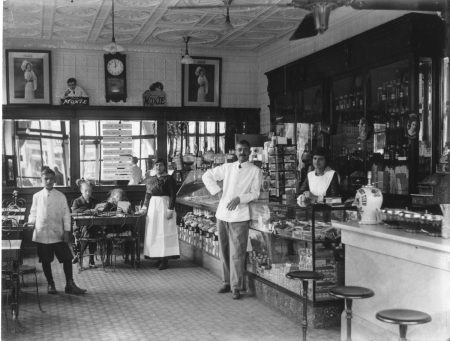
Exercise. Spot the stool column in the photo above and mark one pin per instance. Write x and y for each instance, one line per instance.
(403, 328)
(305, 304)
(348, 312)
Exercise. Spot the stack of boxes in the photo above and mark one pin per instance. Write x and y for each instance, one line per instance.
(283, 172)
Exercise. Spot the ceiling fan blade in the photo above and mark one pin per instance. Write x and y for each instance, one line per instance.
(406, 5)
(306, 29)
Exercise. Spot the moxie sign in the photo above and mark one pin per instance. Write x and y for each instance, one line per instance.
(75, 101)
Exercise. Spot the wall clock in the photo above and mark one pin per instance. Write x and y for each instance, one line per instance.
(115, 77)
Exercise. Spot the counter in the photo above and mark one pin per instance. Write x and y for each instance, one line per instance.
(405, 270)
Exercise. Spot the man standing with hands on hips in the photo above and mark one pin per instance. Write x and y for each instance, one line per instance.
(241, 185)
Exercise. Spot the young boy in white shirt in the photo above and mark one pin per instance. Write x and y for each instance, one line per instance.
(50, 216)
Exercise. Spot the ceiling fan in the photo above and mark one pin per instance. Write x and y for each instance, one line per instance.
(316, 22)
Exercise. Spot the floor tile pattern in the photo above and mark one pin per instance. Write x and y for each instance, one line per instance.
(177, 304)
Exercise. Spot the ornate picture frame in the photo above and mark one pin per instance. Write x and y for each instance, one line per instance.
(201, 82)
(28, 77)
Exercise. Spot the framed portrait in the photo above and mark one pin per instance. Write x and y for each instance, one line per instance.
(28, 77)
(202, 82)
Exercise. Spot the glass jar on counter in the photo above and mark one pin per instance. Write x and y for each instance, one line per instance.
(432, 223)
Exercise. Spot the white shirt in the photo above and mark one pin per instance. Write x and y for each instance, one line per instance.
(244, 182)
(136, 175)
(51, 216)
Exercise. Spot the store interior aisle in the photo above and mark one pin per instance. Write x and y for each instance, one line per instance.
(180, 303)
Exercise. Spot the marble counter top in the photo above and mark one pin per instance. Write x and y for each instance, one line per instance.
(405, 270)
(382, 231)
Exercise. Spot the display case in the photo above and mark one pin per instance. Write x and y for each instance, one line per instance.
(282, 238)
(288, 237)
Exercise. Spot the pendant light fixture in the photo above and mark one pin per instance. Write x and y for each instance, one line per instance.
(227, 25)
(186, 59)
(113, 47)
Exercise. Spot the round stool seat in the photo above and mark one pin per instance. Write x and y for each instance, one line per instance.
(403, 316)
(304, 275)
(351, 292)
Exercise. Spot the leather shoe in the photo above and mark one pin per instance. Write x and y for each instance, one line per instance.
(51, 289)
(163, 266)
(75, 260)
(226, 288)
(236, 294)
(72, 289)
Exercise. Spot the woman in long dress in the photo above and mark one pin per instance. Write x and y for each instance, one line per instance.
(161, 234)
(30, 80)
(202, 81)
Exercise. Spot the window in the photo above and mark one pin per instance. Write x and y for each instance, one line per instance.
(197, 135)
(106, 148)
(34, 144)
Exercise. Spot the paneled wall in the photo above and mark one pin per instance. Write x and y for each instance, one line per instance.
(244, 84)
(239, 74)
(285, 52)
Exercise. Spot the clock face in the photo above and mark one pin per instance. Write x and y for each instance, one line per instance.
(115, 67)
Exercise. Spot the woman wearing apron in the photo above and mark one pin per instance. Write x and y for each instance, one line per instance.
(321, 182)
(161, 234)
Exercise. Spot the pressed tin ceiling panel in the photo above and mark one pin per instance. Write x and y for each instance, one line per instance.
(152, 22)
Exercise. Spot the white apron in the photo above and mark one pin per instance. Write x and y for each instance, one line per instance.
(161, 235)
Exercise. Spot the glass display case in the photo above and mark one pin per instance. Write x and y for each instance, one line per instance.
(288, 237)
(282, 238)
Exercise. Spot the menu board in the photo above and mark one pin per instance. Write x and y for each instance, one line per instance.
(117, 149)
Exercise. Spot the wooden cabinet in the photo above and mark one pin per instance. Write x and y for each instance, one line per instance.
(383, 78)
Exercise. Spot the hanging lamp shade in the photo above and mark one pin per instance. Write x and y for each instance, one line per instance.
(113, 47)
(186, 59)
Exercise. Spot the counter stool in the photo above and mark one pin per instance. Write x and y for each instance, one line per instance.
(350, 293)
(403, 317)
(304, 276)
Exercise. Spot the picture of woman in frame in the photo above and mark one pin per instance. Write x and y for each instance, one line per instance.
(412, 126)
(30, 80)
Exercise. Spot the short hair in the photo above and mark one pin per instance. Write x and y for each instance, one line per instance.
(244, 143)
(321, 151)
(47, 171)
(117, 190)
(71, 80)
(134, 159)
(161, 160)
(80, 182)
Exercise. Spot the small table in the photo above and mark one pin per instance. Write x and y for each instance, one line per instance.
(10, 258)
(112, 220)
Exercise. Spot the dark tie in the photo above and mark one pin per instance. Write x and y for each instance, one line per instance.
(240, 166)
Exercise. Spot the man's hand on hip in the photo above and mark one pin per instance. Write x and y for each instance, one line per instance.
(233, 204)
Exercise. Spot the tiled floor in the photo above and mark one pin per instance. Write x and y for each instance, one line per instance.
(180, 303)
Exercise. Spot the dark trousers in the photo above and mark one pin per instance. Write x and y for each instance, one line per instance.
(47, 253)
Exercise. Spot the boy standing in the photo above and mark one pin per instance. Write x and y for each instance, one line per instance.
(50, 216)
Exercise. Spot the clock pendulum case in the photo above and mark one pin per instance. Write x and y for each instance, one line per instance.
(115, 77)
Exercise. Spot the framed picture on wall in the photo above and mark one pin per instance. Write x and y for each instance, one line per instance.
(201, 82)
(28, 77)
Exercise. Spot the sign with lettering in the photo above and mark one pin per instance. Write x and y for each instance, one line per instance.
(117, 149)
(75, 101)
(155, 96)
